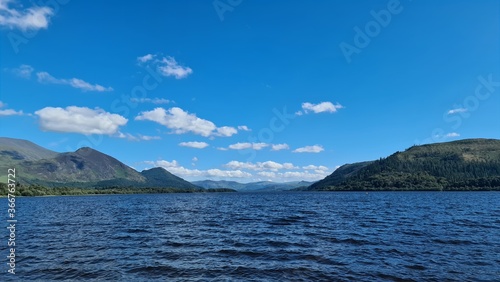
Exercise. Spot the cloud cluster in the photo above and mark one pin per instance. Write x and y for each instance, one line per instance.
(456, 111)
(79, 120)
(9, 112)
(244, 128)
(274, 147)
(165, 65)
(268, 170)
(194, 144)
(33, 18)
(25, 71)
(138, 137)
(175, 168)
(452, 134)
(45, 77)
(150, 100)
(181, 122)
(292, 175)
(268, 165)
(254, 146)
(247, 145)
(323, 107)
(315, 167)
(279, 147)
(309, 149)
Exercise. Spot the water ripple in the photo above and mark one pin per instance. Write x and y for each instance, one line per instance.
(395, 236)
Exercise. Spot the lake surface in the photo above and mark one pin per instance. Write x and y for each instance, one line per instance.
(322, 236)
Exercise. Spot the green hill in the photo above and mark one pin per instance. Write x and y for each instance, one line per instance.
(471, 164)
(84, 168)
(160, 177)
(84, 165)
(17, 150)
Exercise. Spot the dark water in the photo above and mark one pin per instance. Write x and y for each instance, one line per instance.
(425, 236)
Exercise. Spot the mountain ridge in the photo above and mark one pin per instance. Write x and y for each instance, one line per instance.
(83, 168)
(257, 186)
(468, 164)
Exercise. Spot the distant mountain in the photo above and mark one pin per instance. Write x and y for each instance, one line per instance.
(213, 184)
(85, 167)
(160, 177)
(261, 186)
(470, 164)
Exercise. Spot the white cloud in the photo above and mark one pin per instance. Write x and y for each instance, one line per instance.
(246, 145)
(303, 175)
(457, 110)
(45, 77)
(32, 18)
(452, 134)
(227, 173)
(79, 120)
(194, 144)
(175, 168)
(267, 174)
(299, 113)
(241, 165)
(268, 165)
(150, 100)
(244, 128)
(23, 71)
(314, 167)
(181, 122)
(269, 170)
(148, 138)
(309, 149)
(9, 112)
(163, 163)
(170, 67)
(322, 107)
(292, 175)
(139, 137)
(240, 146)
(145, 58)
(277, 147)
(166, 66)
(226, 131)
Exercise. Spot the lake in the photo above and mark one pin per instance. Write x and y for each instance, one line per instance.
(287, 236)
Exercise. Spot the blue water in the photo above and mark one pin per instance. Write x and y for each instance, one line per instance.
(383, 236)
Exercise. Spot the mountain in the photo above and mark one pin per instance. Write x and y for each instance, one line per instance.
(83, 165)
(83, 168)
(261, 186)
(470, 164)
(160, 177)
(17, 150)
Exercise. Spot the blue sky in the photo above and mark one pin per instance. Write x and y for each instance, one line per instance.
(248, 90)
